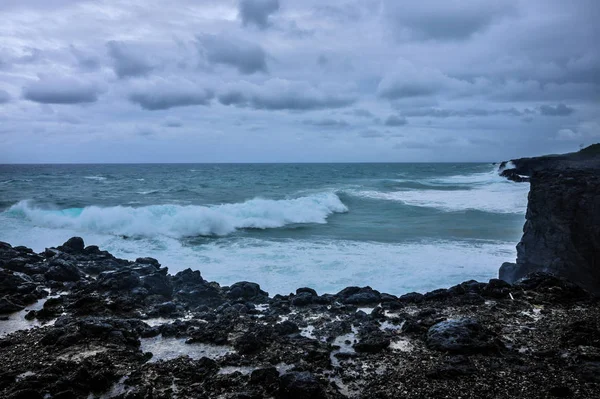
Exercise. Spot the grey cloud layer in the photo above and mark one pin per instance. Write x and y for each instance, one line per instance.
(53, 90)
(127, 60)
(480, 79)
(246, 57)
(163, 95)
(280, 94)
(257, 11)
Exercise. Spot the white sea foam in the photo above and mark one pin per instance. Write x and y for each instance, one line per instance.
(99, 178)
(183, 221)
(486, 192)
(494, 198)
(281, 266)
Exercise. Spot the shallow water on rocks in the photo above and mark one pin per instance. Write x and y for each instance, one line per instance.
(172, 348)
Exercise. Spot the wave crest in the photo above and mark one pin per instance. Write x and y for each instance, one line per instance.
(185, 221)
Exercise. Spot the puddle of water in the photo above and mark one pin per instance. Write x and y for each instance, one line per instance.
(82, 355)
(16, 321)
(401, 345)
(245, 370)
(172, 348)
(345, 343)
(386, 325)
(308, 332)
(24, 375)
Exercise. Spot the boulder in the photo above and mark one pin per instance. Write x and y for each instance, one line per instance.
(300, 385)
(464, 335)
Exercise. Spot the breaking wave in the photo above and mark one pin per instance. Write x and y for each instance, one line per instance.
(184, 221)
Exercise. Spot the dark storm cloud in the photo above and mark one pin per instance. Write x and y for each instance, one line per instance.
(246, 57)
(50, 90)
(394, 120)
(281, 94)
(443, 20)
(559, 110)
(163, 95)
(4, 96)
(326, 123)
(127, 60)
(257, 12)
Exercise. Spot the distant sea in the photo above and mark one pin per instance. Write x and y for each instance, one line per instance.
(395, 227)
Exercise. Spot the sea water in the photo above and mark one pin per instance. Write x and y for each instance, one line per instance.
(395, 227)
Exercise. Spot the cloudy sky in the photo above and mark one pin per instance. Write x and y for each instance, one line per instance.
(291, 80)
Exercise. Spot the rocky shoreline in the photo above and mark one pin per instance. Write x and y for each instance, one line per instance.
(76, 322)
(106, 327)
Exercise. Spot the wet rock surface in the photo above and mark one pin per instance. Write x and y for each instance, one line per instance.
(78, 322)
(561, 235)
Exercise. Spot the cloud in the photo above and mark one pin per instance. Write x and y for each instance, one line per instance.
(370, 133)
(4, 97)
(394, 120)
(85, 60)
(406, 80)
(164, 94)
(61, 90)
(127, 60)
(584, 132)
(246, 57)
(282, 94)
(363, 113)
(326, 123)
(257, 12)
(449, 20)
(172, 122)
(463, 113)
(559, 110)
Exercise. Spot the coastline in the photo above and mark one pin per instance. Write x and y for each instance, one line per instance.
(102, 315)
(75, 321)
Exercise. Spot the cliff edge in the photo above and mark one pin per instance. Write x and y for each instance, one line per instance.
(562, 232)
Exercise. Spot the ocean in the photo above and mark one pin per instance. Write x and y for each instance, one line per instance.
(396, 227)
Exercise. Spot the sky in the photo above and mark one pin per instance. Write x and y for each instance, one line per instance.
(124, 81)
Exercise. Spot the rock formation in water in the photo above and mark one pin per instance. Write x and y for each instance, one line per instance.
(562, 229)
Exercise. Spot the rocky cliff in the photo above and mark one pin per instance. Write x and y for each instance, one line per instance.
(562, 232)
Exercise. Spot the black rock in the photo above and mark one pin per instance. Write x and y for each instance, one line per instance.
(62, 270)
(561, 235)
(7, 306)
(359, 296)
(461, 336)
(303, 299)
(300, 385)
(286, 327)
(372, 343)
(246, 290)
(73, 245)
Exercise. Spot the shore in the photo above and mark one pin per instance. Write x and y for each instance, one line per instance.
(107, 327)
(76, 322)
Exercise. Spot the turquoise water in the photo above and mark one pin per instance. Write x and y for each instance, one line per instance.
(396, 227)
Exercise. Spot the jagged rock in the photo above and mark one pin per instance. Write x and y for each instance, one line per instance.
(561, 235)
(6, 306)
(300, 385)
(73, 245)
(246, 290)
(463, 335)
(62, 270)
(359, 296)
